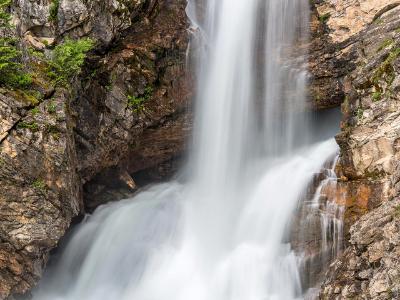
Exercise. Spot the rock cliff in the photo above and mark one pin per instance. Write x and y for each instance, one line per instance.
(56, 143)
(63, 151)
(366, 37)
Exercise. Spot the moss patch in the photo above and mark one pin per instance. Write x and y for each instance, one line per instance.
(137, 103)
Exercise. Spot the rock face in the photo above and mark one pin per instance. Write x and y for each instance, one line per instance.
(147, 66)
(65, 152)
(131, 114)
(56, 145)
(337, 31)
(329, 64)
(369, 268)
(102, 20)
(40, 188)
(369, 142)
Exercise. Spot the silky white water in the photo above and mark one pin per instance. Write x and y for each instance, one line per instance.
(223, 233)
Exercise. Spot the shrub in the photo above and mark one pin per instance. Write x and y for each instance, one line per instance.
(10, 68)
(5, 17)
(68, 59)
(55, 4)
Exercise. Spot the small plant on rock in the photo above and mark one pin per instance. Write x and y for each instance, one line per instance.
(28, 125)
(52, 107)
(137, 103)
(376, 96)
(386, 43)
(324, 18)
(39, 185)
(360, 113)
(68, 59)
(55, 4)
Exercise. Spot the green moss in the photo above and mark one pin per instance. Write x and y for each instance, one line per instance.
(35, 111)
(324, 18)
(28, 125)
(137, 103)
(386, 70)
(386, 43)
(31, 98)
(376, 96)
(39, 185)
(52, 107)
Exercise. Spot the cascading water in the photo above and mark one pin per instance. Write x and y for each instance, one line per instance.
(224, 233)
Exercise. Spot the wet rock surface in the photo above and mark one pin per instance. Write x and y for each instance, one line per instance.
(369, 268)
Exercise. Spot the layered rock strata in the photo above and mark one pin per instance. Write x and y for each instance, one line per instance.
(369, 142)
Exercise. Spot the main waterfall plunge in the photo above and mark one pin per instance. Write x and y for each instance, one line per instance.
(223, 234)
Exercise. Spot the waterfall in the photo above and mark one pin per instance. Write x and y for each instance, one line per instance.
(223, 234)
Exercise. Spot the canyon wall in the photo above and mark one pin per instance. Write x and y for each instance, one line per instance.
(65, 151)
(365, 37)
(57, 144)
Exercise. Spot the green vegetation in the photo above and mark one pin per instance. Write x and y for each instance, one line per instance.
(53, 131)
(137, 103)
(34, 111)
(68, 59)
(360, 113)
(10, 68)
(28, 125)
(386, 70)
(376, 96)
(35, 53)
(52, 108)
(324, 18)
(39, 185)
(55, 4)
(386, 43)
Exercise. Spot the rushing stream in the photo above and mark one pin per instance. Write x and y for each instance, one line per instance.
(223, 232)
